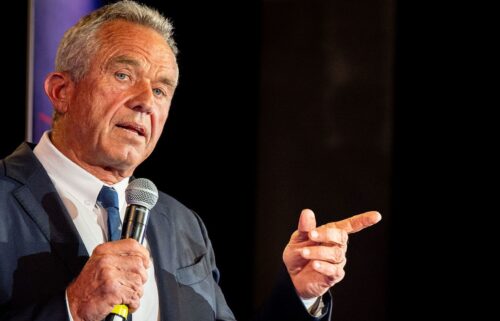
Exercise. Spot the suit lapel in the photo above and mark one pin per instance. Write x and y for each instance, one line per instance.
(39, 198)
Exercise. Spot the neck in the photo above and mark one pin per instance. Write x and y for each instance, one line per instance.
(107, 174)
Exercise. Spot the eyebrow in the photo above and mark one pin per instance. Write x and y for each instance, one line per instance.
(127, 60)
(168, 82)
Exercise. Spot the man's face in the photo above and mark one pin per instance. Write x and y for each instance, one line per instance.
(116, 113)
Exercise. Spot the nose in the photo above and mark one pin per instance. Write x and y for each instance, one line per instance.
(142, 99)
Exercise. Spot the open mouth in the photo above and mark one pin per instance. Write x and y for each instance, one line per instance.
(136, 128)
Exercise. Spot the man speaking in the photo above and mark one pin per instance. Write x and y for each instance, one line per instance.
(116, 74)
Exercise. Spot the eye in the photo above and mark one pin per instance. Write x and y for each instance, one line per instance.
(121, 76)
(158, 92)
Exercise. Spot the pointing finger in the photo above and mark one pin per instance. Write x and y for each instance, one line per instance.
(357, 222)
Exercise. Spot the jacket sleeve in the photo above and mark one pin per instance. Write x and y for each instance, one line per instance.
(53, 308)
(47, 300)
(285, 304)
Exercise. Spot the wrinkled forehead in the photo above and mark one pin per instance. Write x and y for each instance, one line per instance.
(122, 42)
(124, 32)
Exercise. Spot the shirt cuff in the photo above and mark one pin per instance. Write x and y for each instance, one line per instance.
(314, 306)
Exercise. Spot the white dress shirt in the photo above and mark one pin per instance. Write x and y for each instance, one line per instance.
(78, 190)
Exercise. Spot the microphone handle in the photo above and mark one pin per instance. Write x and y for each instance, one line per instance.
(134, 226)
(134, 223)
(119, 313)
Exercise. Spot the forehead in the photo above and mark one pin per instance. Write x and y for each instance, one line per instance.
(120, 37)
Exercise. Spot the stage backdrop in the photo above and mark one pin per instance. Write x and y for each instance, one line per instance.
(48, 21)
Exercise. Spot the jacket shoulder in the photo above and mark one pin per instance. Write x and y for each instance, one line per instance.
(176, 211)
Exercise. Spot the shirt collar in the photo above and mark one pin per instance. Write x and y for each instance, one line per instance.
(70, 178)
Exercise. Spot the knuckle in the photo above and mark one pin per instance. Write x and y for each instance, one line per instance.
(106, 273)
(336, 235)
(336, 276)
(130, 242)
(136, 261)
(340, 273)
(331, 234)
(338, 255)
(104, 261)
(110, 286)
(134, 303)
(137, 281)
(345, 237)
(319, 252)
(332, 270)
(99, 249)
(144, 277)
(140, 275)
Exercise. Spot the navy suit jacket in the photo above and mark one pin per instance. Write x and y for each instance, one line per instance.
(42, 252)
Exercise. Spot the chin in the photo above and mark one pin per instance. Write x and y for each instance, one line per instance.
(125, 159)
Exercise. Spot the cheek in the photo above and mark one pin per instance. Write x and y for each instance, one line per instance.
(88, 110)
(157, 124)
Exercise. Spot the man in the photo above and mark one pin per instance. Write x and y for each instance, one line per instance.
(116, 74)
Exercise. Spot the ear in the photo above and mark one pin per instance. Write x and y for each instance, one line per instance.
(59, 88)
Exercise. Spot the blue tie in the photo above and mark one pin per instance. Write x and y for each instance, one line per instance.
(109, 200)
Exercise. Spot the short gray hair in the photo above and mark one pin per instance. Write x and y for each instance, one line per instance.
(80, 42)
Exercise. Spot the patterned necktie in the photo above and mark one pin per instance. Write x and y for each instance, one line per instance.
(109, 200)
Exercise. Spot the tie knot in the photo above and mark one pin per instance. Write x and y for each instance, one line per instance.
(108, 197)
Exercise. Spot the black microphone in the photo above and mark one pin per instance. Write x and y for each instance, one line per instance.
(141, 195)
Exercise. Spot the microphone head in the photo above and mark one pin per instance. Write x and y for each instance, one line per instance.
(143, 192)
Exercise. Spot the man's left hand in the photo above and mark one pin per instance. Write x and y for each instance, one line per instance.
(315, 256)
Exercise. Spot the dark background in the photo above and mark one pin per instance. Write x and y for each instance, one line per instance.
(335, 105)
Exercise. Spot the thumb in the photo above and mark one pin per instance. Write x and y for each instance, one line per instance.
(307, 222)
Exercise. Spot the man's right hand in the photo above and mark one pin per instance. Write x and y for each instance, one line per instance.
(114, 274)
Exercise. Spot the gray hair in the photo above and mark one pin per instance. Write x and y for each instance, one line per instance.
(80, 42)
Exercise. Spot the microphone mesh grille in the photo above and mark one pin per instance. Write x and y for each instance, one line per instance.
(142, 191)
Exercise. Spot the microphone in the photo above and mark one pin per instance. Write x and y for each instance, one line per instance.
(141, 195)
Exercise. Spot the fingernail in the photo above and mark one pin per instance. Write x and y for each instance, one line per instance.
(314, 234)
(306, 252)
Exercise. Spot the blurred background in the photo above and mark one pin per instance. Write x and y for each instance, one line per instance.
(333, 105)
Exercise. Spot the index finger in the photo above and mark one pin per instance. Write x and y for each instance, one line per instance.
(358, 222)
(124, 247)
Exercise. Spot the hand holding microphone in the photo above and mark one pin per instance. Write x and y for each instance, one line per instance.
(141, 195)
(116, 271)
